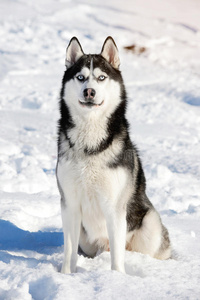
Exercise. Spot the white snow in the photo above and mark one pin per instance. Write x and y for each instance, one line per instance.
(163, 86)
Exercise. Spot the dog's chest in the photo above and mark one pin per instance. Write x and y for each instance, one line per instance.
(84, 182)
(95, 188)
(88, 134)
(93, 177)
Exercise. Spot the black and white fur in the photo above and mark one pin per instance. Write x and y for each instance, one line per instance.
(99, 173)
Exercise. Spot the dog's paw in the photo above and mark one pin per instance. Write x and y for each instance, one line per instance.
(67, 270)
(118, 269)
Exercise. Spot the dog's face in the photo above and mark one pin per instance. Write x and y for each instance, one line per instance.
(92, 83)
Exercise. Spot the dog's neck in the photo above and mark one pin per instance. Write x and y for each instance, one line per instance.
(89, 132)
(93, 133)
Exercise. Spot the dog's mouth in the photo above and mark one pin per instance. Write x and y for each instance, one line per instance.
(90, 104)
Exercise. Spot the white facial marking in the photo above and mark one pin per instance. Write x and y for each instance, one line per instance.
(91, 66)
(107, 92)
(85, 72)
(98, 72)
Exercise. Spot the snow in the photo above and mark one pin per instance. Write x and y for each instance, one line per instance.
(164, 114)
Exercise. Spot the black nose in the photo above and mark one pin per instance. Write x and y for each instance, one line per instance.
(89, 94)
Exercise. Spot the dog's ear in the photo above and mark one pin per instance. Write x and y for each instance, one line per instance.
(73, 53)
(110, 52)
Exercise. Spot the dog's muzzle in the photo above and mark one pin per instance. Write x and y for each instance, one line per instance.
(89, 98)
(90, 104)
(89, 94)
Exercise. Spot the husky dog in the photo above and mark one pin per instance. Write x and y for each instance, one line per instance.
(99, 173)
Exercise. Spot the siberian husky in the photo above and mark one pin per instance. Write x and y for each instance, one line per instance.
(99, 173)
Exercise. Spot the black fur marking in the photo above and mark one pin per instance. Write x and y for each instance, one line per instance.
(136, 211)
(166, 241)
(100, 62)
(139, 203)
(64, 124)
(74, 69)
(85, 60)
(126, 156)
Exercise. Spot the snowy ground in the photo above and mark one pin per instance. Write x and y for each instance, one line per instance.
(164, 113)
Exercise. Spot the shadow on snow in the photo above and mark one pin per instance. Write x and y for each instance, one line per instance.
(14, 238)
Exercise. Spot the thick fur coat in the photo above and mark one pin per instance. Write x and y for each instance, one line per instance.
(99, 173)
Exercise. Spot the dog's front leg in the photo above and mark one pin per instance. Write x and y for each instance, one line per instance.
(116, 225)
(71, 219)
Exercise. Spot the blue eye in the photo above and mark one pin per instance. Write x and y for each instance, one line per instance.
(101, 77)
(80, 77)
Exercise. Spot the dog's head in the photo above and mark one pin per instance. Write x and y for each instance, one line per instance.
(92, 83)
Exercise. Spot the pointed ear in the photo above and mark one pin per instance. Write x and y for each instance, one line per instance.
(73, 53)
(110, 52)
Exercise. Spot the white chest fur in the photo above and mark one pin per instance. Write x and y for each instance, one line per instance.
(91, 186)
